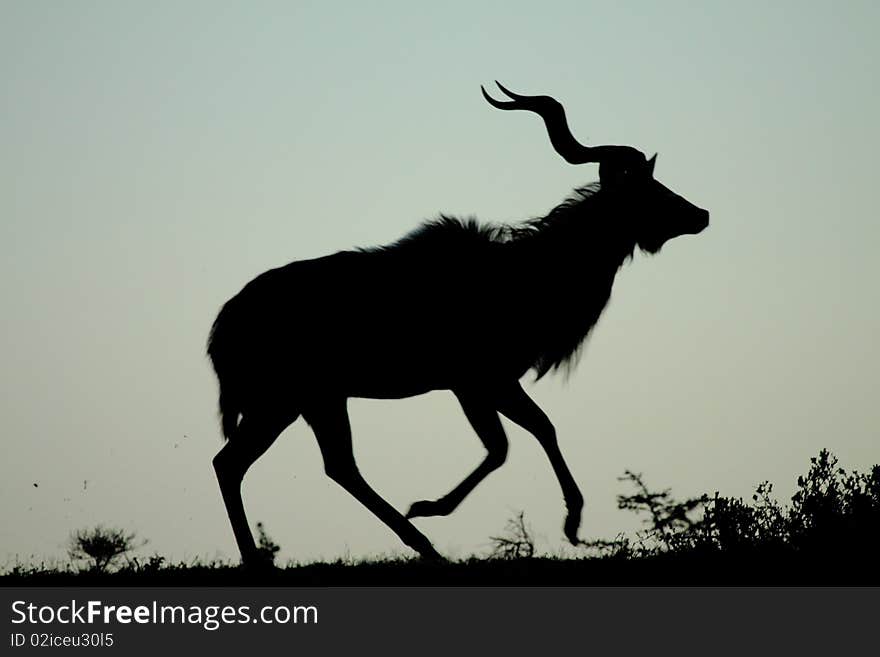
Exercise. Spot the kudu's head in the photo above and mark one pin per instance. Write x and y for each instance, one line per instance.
(654, 212)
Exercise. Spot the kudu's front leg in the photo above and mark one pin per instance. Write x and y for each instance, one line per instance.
(518, 407)
(481, 413)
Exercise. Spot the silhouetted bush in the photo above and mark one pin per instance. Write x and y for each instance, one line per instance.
(151, 565)
(267, 547)
(516, 543)
(832, 512)
(102, 546)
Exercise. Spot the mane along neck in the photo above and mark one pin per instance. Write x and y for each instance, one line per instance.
(575, 252)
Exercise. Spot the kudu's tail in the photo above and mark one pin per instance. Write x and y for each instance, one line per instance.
(222, 350)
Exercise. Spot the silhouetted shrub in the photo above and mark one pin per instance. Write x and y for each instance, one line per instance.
(516, 543)
(151, 565)
(267, 547)
(670, 522)
(833, 511)
(102, 546)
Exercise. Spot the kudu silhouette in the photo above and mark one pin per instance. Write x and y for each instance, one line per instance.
(452, 306)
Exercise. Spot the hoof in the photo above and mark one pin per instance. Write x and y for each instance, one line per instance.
(258, 563)
(572, 524)
(422, 509)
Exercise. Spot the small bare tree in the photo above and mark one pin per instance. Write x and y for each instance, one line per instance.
(517, 541)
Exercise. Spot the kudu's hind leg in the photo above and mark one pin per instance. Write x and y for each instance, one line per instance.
(484, 419)
(253, 436)
(333, 432)
(518, 407)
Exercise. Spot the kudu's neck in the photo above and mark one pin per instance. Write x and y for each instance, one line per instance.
(587, 233)
(575, 253)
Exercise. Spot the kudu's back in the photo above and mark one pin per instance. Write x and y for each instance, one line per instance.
(429, 312)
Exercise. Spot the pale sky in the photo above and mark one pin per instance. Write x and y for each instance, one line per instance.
(155, 156)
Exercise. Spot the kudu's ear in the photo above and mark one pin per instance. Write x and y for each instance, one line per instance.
(651, 164)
